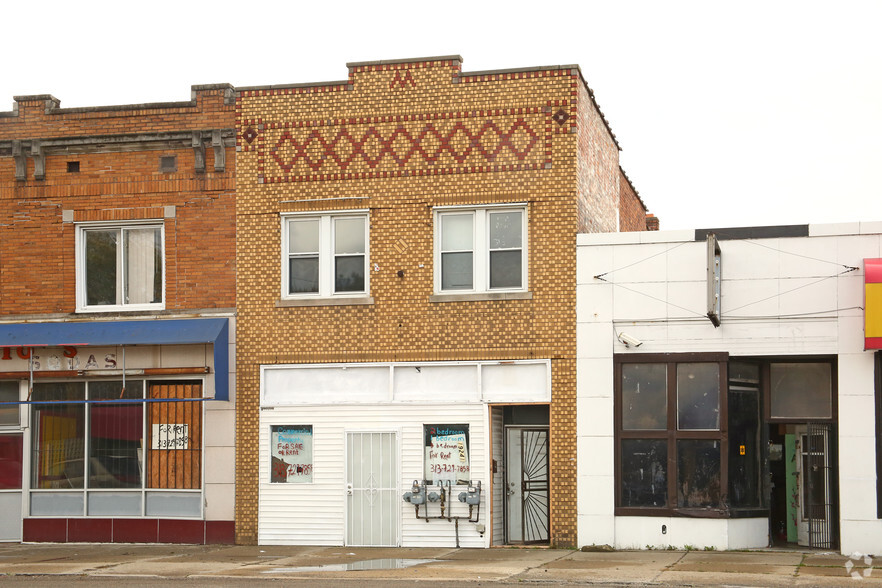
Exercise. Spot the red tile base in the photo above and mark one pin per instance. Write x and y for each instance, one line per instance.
(89, 530)
(44, 530)
(135, 531)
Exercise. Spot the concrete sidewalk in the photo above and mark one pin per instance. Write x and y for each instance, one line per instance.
(487, 566)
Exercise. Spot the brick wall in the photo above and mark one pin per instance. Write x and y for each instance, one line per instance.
(119, 178)
(632, 211)
(399, 139)
(597, 167)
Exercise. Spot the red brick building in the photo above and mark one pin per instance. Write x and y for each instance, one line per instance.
(117, 298)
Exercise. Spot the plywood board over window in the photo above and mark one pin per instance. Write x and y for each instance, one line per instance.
(176, 462)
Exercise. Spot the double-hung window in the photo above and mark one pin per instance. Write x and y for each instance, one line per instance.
(480, 249)
(120, 267)
(325, 255)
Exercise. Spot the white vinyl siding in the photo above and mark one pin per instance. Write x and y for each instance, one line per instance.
(315, 514)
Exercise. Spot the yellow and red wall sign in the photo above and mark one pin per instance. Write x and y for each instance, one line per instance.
(873, 304)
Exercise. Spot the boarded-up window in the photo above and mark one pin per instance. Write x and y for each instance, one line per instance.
(175, 461)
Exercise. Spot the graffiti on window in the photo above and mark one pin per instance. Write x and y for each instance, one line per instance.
(291, 454)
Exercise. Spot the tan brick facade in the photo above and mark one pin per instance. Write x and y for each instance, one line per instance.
(398, 139)
(117, 150)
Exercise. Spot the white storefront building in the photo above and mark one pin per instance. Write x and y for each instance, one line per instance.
(761, 430)
(342, 444)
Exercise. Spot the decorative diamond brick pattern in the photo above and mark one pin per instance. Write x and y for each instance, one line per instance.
(561, 117)
(449, 143)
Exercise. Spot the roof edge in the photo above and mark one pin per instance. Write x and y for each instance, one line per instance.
(458, 58)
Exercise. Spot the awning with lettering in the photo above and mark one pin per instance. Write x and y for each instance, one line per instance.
(873, 304)
(214, 331)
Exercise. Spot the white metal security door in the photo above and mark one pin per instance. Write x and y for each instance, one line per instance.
(372, 488)
(526, 485)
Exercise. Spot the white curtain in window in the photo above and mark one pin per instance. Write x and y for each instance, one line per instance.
(140, 265)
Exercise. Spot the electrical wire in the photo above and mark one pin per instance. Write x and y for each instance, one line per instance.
(600, 276)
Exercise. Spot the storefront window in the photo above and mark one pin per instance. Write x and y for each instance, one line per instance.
(698, 396)
(115, 436)
(644, 396)
(175, 456)
(644, 472)
(745, 448)
(801, 390)
(9, 413)
(698, 473)
(58, 436)
(671, 445)
(10, 461)
(101, 435)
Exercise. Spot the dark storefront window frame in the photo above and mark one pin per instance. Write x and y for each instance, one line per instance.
(669, 437)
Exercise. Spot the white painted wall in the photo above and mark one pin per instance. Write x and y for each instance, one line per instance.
(779, 297)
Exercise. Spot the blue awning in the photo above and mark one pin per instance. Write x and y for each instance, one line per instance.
(154, 332)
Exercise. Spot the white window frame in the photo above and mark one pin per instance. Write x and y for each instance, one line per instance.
(480, 247)
(144, 491)
(82, 229)
(21, 408)
(326, 254)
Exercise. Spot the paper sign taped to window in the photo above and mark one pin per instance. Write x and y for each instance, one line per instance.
(170, 436)
(447, 453)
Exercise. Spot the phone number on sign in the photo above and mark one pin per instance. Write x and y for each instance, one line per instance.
(446, 468)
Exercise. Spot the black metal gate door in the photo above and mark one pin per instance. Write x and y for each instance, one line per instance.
(818, 485)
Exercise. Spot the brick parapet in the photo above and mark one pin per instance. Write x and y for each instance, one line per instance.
(598, 171)
(632, 211)
(41, 115)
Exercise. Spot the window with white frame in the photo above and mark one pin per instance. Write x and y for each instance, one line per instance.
(325, 255)
(114, 448)
(120, 267)
(10, 413)
(480, 249)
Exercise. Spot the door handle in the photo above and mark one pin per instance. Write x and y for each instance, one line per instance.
(349, 489)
